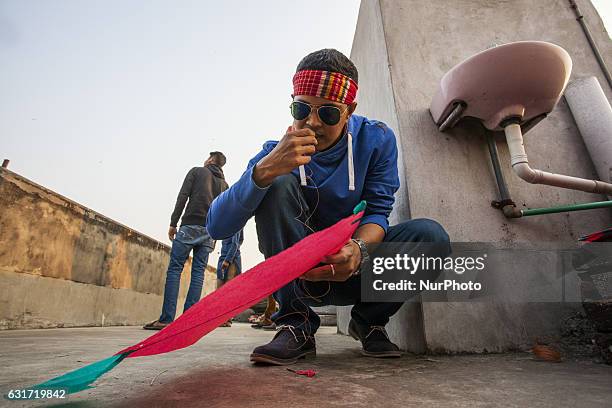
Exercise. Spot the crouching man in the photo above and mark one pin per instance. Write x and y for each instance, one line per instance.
(326, 163)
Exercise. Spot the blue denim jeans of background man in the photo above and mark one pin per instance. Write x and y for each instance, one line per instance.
(280, 226)
(188, 237)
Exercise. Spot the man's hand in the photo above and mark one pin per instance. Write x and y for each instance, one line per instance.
(293, 150)
(345, 264)
(225, 265)
(171, 233)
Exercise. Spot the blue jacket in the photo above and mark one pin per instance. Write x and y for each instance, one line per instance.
(375, 173)
(230, 252)
(230, 247)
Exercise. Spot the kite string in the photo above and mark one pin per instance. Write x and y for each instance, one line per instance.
(309, 213)
(309, 296)
(299, 298)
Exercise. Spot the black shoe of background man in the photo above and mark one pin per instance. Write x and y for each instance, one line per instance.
(374, 340)
(287, 347)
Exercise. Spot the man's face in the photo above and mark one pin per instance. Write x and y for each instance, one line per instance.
(326, 135)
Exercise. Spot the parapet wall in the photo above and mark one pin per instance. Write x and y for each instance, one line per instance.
(64, 265)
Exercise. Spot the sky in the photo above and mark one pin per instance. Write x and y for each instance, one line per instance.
(604, 8)
(110, 103)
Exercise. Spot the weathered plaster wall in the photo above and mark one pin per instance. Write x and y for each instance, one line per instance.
(447, 177)
(377, 101)
(62, 264)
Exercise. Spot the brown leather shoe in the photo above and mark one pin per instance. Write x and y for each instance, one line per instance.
(155, 325)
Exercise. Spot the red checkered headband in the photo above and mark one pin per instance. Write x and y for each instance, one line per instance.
(329, 85)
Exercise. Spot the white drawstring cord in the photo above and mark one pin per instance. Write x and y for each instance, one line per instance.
(351, 167)
(303, 176)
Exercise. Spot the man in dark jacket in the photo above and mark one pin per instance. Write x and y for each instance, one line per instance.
(201, 186)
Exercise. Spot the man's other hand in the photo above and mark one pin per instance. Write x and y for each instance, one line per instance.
(171, 233)
(345, 263)
(293, 150)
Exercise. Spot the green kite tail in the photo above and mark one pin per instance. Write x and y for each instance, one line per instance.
(79, 380)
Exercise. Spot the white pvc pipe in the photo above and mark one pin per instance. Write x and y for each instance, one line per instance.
(593, 115)
(520, 165)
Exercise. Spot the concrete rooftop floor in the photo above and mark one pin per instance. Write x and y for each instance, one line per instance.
(216, 372)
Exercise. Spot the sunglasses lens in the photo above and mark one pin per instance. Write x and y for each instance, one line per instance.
(330, 115)
(300, 111)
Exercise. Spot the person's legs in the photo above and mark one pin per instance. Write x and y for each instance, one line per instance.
(178, 256)
(411, 232)
(280, 220)
(198, 265)
(420, 230)
(202, 247)
(270, 307)
(369, 318)
(237, 265)
(228, 276)
(280, 216)
(221, 273)
(279, 227)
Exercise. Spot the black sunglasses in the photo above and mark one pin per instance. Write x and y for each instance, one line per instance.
(329, 114)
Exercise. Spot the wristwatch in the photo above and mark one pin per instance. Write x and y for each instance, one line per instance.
(365, 256)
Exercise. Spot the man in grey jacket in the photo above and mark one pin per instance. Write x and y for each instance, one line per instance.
(201, 186)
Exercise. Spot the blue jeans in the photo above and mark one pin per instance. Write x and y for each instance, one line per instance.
(278, 229)
(187, 238)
